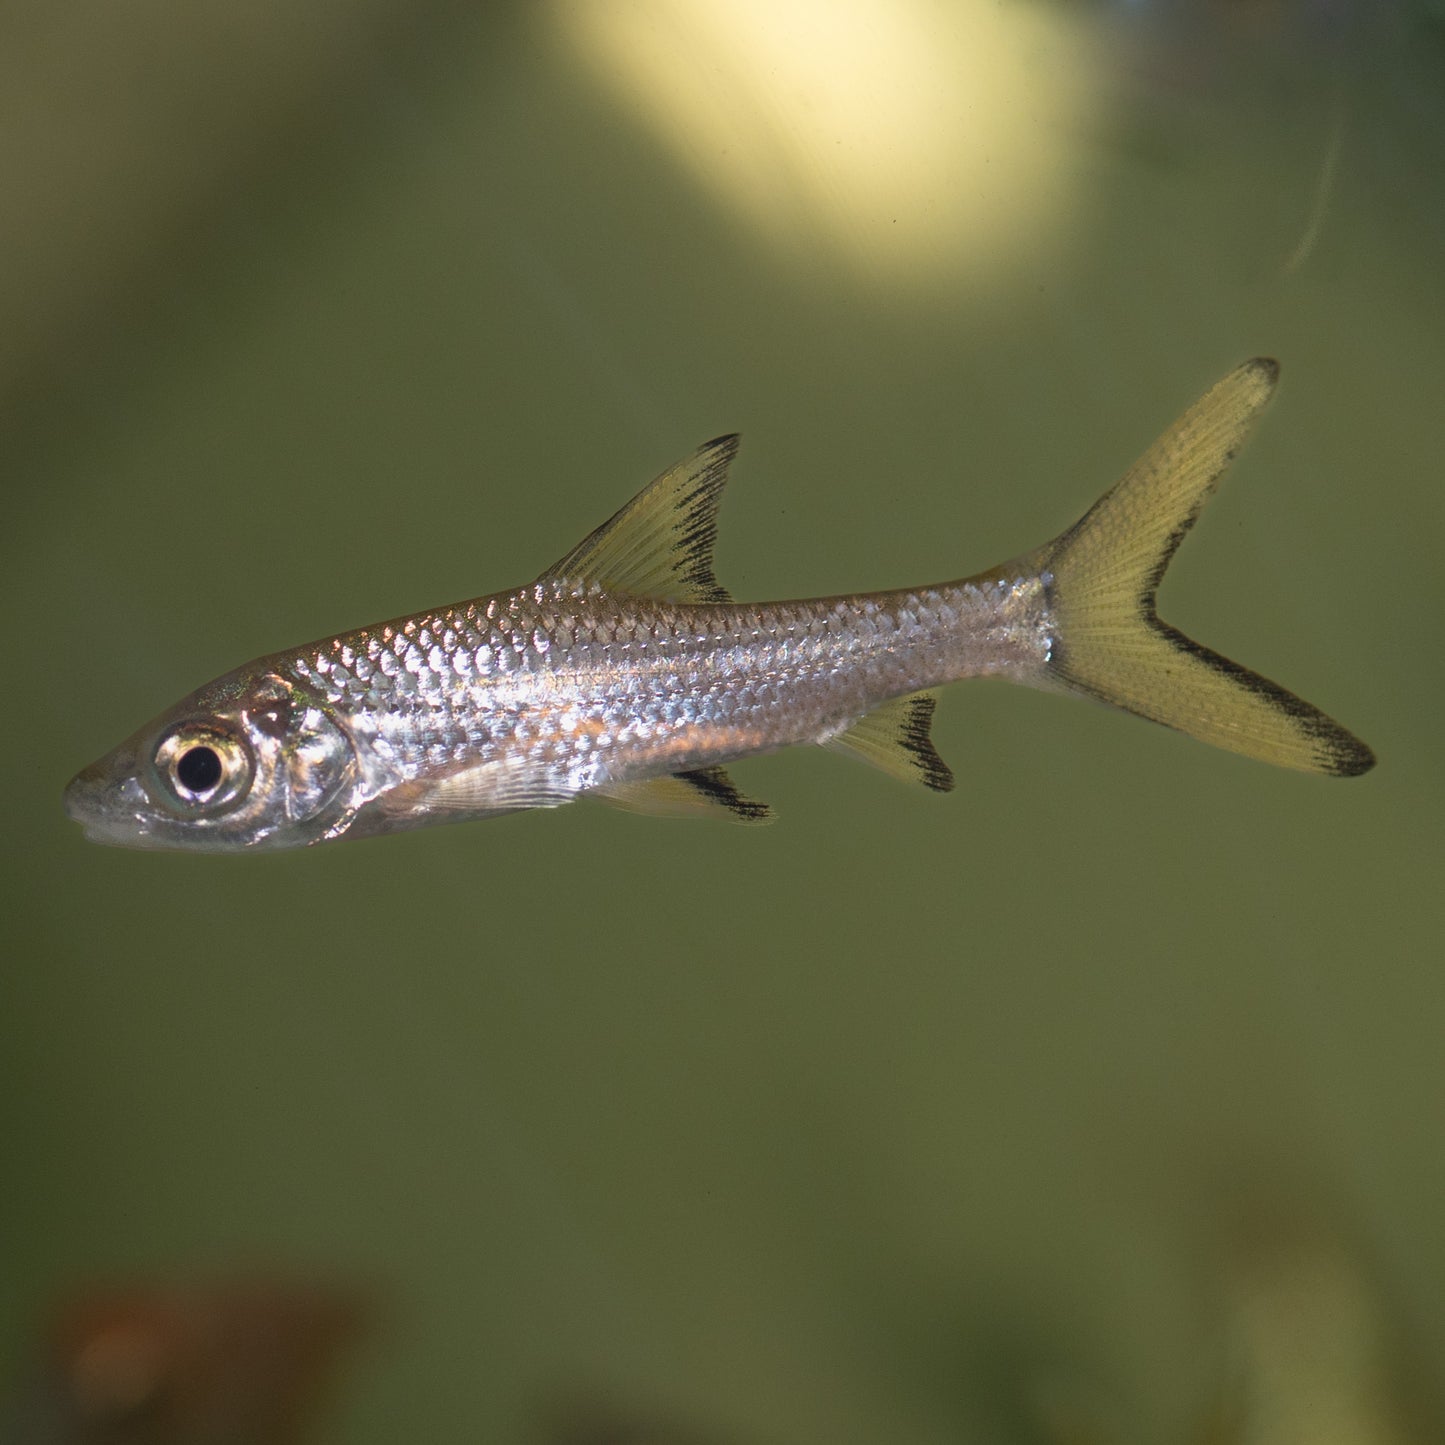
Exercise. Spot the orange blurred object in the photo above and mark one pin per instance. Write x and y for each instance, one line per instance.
(244, 1363)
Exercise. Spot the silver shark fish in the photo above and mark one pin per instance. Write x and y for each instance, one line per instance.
(626, 671)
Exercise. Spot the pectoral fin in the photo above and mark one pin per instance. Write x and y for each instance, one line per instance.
(896, 738)
(497, 787)
(699, 793)
(660, 544)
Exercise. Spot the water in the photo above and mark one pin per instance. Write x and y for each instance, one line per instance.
(857, 1127)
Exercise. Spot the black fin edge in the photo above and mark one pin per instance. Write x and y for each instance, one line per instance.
(715, 785)
(916, 737)
(698, 512)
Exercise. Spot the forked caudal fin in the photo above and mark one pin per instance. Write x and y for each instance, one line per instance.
(1110, 643)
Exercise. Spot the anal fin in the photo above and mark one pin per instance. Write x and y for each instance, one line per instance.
(896, 739)
(698, 793)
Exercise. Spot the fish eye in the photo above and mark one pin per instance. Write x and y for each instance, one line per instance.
(203, 767)
(198, 769)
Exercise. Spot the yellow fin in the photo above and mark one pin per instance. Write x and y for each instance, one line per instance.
(660, 544)
(895, 738)
(1103, 574)
(695, 794)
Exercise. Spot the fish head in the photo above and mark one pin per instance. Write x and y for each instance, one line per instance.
(249, 761)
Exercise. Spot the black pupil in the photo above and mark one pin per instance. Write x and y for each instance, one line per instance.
(198, 769)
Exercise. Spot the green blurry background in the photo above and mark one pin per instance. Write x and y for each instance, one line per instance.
(871, 1125)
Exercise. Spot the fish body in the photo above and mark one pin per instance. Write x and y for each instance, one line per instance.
(626, 671)
(543, 694)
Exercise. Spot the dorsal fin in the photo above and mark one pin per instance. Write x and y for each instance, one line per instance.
(659, 544)
(687, 795)
(895, 738)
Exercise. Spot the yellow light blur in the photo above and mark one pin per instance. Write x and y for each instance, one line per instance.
(902, 136)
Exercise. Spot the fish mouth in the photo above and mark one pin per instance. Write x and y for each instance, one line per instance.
(111, 812)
